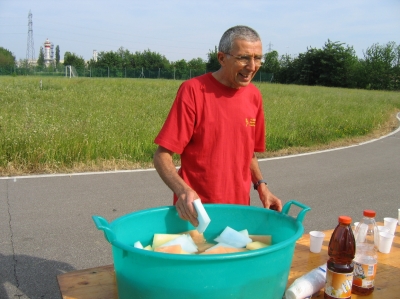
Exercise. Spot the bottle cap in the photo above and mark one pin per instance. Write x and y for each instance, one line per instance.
(369, 213)
(345, 219)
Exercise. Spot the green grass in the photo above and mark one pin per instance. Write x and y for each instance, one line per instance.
(84, 124)
(303, 116)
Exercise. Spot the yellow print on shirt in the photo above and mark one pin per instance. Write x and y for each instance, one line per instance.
(250, 122)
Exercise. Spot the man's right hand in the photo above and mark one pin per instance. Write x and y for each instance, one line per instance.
(185, 206)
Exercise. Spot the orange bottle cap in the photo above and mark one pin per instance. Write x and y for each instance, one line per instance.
(345, 219)
(369, 213)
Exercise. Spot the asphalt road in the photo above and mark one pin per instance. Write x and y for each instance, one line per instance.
(46, 226)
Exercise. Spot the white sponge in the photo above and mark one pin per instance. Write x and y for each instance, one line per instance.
(202, 216)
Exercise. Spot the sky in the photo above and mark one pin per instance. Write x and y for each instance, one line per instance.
(189, 29)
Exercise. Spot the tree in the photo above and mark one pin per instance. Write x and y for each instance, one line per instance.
(286, 73)
(6, 58)
(57, 55)
(212, 64)
(181, 69)
(74, 60)
(271, 62)
(40, 61)
(197, 64)
(109, 59)
(148, 60)
(336, 63)
(381, 68)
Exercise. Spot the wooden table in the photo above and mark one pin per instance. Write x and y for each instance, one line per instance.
(99, 283)
(387, 284)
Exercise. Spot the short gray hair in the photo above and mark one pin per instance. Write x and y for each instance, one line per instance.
(237, 32)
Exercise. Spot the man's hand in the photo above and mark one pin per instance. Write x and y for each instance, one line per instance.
(269, 200)
(185, 207)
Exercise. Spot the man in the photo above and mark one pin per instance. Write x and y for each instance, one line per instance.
(216, 124)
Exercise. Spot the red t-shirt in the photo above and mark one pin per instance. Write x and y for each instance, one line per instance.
(216, 129)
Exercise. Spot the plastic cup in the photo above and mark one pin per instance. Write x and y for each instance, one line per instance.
(398, 222)
(385, 242)
(316, 240)
(391, 223)
(382, 229)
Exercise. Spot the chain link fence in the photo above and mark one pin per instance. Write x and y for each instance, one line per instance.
(110, 72)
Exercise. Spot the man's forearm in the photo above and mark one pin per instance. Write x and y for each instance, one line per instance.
(255, 170)
(167, 171)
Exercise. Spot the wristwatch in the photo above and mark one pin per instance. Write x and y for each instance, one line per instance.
(256, 185)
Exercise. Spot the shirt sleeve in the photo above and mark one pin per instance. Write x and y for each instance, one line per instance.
(179, 125)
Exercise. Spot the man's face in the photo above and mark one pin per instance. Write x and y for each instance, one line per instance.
(237, 70)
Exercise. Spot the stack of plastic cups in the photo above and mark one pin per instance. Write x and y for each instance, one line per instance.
(386, 237)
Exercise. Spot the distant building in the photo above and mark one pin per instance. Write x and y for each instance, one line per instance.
(48, 53)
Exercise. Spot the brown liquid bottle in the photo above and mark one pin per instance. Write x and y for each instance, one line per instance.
(340, 267)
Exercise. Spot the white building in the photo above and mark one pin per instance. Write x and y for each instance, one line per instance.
(48, 53)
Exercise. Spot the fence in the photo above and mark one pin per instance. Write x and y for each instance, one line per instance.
(110, 72)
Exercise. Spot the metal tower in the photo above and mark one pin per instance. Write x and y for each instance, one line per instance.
(270, 47)
(30, 48)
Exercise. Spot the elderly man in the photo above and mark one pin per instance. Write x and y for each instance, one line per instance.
(216, 124)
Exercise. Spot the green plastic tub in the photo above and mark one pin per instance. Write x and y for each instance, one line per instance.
(261, 273)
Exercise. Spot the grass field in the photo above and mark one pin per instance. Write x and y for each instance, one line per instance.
(86, 124)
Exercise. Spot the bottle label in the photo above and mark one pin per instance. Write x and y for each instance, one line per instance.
(338, 285)
(364, 275)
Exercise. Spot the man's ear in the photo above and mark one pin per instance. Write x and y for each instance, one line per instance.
(221, 58)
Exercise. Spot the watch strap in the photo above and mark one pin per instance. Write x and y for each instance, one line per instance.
(256, 185)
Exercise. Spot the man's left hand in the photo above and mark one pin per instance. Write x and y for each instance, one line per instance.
(269, 200)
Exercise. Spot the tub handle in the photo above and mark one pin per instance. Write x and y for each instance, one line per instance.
(102, 224)
(302, 213)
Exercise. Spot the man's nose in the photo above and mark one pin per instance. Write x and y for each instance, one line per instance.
(251, 64)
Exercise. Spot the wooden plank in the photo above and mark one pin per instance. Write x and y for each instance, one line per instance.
(92, 283)
(100, 282)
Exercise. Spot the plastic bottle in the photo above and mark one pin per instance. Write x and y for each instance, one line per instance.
(365, 261)
(340, 267)
(308, 284)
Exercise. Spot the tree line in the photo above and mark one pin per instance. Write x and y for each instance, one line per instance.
(149, 60)
(334, 65)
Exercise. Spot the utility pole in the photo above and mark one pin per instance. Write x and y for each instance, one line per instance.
(270, 47)
(30, 48)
